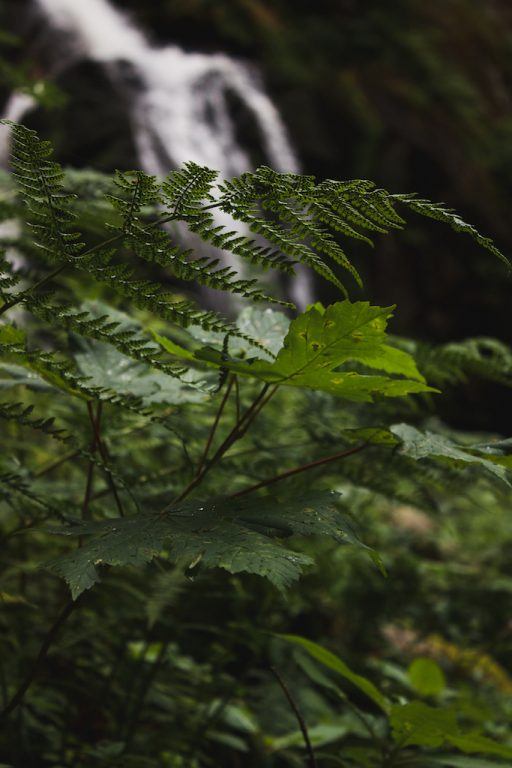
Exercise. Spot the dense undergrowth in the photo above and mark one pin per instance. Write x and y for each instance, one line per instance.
(197, 465)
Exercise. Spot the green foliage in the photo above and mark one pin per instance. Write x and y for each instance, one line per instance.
(235, 535)
(454, 363)
(320, 342)
(419, 446)
(179, 454)
(410, 723)
(426, 677)
(332, 662)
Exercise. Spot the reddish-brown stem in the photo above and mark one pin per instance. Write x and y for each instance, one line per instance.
(96, 423)
(236, 433)
(90, 468)
(88, 491)
(244, 423)
(302, 468)
(296, 711)
(260, 406)
(215, 424)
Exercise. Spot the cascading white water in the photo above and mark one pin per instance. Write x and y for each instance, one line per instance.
(17, 106)
(178, 101)
(180, 109)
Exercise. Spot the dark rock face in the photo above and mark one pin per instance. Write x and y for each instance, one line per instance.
(92, 123)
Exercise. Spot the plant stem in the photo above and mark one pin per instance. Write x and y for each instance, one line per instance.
(237, 397)
(248, 417)
(298, 715)
(63, 615)
(90, 469)
(302, 468)
(96, 423)
(20, 296)
(215, 425)
(56, 464)
(88, 491)
(236, 433)
(43, 652)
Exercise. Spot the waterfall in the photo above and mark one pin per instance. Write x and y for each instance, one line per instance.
(17, 106)
(179, 102)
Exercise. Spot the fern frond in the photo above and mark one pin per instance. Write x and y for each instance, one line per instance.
(306, 214)
(51, 215)
(40, 181)
(295, 204)
(15, 484)
(148, 295)
(186, 189)
(137, 190)
(61, 374)
(300, 220)
(456, 362)
(154, 246)
(8, 277)
(127, 341)
(22, 414)
(246, 200)
(440, 212)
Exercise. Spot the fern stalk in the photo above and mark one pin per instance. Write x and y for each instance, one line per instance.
(298, 470)
(237, 432)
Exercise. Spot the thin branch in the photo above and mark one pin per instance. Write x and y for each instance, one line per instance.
(88, 491)
(246, 420)
(298, 715)
(260, 406)
(41, 656)
(271, 448)
(99, 443)
(215, 425)
(70, 605)
(236, 433)
(20, 296)
(56, 464)
(237, 398)
(302, 468)
(90, 468)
